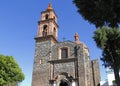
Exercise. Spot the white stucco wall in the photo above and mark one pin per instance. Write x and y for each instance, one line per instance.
(110, 77)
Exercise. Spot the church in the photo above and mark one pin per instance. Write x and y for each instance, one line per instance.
(64, 63)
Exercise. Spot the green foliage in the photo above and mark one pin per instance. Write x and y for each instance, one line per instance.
(108, 39)
(100, 12)
(9, 70)
(104, 13)
(101, 37)
(12, 84)
(114, 82)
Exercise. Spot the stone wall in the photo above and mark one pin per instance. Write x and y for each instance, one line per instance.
(41, 71)
(96, 72)
(55, 49)
(64, 68)
(78, 64)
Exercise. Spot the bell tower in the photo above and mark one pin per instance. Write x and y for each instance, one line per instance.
(46, 38)
(47, 26)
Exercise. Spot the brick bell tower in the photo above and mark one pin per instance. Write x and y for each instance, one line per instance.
(46, 38)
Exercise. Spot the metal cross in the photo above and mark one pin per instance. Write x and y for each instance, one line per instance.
(64, 38)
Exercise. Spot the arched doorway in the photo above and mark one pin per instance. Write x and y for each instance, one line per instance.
(64, 79)
(64, 83)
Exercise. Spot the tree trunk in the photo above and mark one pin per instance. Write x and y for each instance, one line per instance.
(116, 74)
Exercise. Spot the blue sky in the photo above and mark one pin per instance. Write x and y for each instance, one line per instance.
(18, 27)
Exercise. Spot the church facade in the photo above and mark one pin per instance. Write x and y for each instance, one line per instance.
(61, 63)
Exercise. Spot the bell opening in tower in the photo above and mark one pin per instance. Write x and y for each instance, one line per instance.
(44, 30)
(46, 16)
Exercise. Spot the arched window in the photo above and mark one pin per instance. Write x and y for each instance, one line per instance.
(54, 32)
(54, 17)
(44, 33)
(46, 16)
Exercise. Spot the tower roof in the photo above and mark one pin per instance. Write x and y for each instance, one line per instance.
(86, 50)
(49, 7)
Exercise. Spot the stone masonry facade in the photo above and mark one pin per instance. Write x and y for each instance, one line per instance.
(61, 63)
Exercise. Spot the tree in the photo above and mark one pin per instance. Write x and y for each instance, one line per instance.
(108, 39)
(114, 83)
(12, 84)
(100, 12)
(10, 71)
